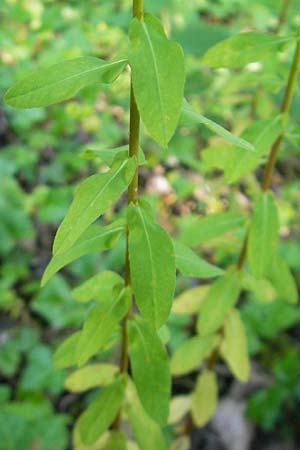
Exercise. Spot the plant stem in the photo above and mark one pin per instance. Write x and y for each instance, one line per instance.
(134, 142)
(285, 106)
(282, 14)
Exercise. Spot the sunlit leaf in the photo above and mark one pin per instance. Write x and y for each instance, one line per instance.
(204, 398)
(90, 376)
(99, 287)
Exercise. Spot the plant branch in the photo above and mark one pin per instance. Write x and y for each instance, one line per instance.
(285, 107)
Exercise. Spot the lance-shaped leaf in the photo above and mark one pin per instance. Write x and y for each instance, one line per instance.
(150, 368)
(189, 301)
(116, 441)
(62, 81)
(244, 48)
(101, 412)
(189, 355)
(146, 431)
(157, 66)
(221, 297)
(94, 239)
(191, 117)
(65, 354)
(92, 198)
(100, 324)
(152, 264)
(234, 346)
(109, 155)
(100, 287)
(90, 376)
(203, 229)
(282, 279)
(190, 264)
(204, 398)
(263, 235)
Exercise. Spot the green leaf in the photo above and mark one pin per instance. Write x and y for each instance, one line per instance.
(90, 376)
(234, 346)
(210, 227)
(204, 398)
(109, 155)
(101, 412)
(92, 198)
(191, 265)
(244, 48)
(234, 161)
(158, 64)
(116, 441)
(263, 235)
(191, 117)
(94, 239)
(65, 354)
(152, 264)
(278, 272)
(62, 81)
(100, 324)
(189, 355)
(150, 369)
(221, 297)
(99, 287)
(146, 431)
(189, 301)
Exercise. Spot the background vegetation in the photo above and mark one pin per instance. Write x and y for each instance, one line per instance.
(44, 155)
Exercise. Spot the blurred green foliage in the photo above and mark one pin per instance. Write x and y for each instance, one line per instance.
(42, 160)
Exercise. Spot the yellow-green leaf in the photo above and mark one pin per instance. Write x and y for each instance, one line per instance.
(65, 354)
(279, 274)
(234, 346)
(204, 398)
(189, 301)
(90, 376)
(99, 287)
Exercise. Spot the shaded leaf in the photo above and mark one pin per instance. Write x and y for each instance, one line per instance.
(152, 264)
(263, 235)
(278, 272)
(221, 297)
(150, 369)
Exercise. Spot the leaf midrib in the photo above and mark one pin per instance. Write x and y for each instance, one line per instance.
(46, 86)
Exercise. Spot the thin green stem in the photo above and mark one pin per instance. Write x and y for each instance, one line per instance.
(285, 107)
(282, 14)
(134, 142)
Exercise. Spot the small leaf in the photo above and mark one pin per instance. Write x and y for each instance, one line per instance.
(234, 346)
(263, 235)
(100, 324)
(65, 354)
(62, 81)
(179, 407)
(190, 300)
(116, 441)
(150, 369)
(90, 376)
(101, 412)
(94, 239)
(244, 48)
(210, 227)
(92, 198)
(204, 398)
(146, 431)
(109, 155)
(152, 264)
(189, 355)
(278, 272)
(221, 297)
(100, 287)
(191, 117)
(157, 63)
(191, 265)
